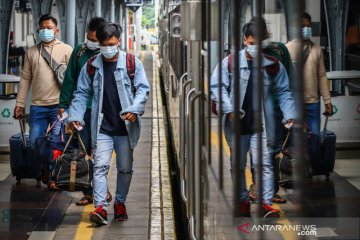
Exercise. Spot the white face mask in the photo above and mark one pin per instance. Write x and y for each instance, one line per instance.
(252, 50)
(306, 33)
(92, 45)
(46, 35)
(109, 51)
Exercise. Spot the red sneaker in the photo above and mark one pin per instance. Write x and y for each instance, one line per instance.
(99, 216)
(245, 209)
(120, 211)
(268, 211)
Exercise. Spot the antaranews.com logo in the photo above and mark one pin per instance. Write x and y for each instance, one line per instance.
(300, 229)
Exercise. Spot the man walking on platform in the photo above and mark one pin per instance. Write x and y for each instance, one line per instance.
(81, 54)
(118, 101)
(315, 80)
(38, 74)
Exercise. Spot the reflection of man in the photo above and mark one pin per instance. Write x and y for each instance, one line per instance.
(276, 79)
(315, 80)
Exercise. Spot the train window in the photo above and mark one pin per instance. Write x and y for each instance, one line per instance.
(353, 37)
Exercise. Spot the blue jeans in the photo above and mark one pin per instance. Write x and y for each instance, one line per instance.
(249, 143)
(312, 117)
(124, 164)
(40, 119)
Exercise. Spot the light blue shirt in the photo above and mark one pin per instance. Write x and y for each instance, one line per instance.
(276, 85)
(88, 87)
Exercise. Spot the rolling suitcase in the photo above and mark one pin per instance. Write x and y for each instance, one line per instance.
(22, 162)
(325, 157)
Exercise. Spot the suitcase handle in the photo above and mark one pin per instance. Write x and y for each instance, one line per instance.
(22, 130)
(324, 130)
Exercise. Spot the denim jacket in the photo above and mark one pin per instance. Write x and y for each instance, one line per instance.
(277, 85)
(87, 88)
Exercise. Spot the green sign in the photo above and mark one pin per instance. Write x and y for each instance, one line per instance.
(335, 109)
(6, 113)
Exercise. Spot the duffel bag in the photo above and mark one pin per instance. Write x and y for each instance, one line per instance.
(285, 163)
(74, 168)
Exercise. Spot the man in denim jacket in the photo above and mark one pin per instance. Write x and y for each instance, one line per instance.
(115, 117)
(277, 84)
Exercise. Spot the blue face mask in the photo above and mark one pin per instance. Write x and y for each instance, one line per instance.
(252, 50)
(109, 51)
(306, 33)
(46, 35)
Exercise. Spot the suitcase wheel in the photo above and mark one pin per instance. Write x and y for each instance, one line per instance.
(38, 179)
(327, 177)
(18, 180)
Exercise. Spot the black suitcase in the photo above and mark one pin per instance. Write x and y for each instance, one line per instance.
(324, 162)
(73, 169)
(22, 162)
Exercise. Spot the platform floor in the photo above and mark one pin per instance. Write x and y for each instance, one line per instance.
(29, 211)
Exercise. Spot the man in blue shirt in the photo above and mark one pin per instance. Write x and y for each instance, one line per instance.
(275, 82)
(115, 117)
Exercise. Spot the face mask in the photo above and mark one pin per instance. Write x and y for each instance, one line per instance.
(109, 51)
(265, 43)
(92, 45)
(306, 33)
(252, 50)
(46, 35)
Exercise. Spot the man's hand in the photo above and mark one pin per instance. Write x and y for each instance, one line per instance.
(60, 112)
(19, 112)
(230, 116)
(129, 116)
(76, 126)
(328, 109)
(289, 123)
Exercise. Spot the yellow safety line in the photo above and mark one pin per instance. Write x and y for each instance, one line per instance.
(285, 221)
(85, 228)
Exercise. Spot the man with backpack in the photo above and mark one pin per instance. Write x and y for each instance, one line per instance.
(275, 79)
(281, 53)
(118, 100)
(81, 54)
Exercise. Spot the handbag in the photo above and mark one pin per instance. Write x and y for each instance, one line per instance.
(285, 163)
(73, 168)
(59, 69)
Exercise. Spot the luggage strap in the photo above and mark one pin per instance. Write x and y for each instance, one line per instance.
(280, 154)
(80, 140)
(72, 175)
(87, 157)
